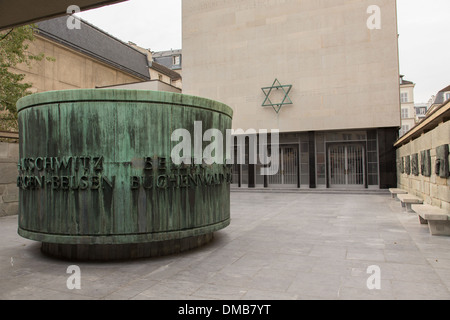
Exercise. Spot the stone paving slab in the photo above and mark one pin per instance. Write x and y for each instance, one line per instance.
(278, 247)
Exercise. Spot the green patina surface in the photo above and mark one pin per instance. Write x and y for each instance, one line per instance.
(96, 168)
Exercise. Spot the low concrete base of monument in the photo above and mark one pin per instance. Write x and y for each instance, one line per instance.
(117, 252)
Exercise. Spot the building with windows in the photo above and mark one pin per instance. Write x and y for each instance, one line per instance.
(408, 111)
(421, 111)
(168, 78)
(439, 99)
(91, 58)
(172, 59)
(317, 71)
(445, 94)
(83, 58)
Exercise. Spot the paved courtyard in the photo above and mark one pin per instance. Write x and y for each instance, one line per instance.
(279, 246)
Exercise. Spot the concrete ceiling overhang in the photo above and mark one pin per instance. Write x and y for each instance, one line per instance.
(21, 12)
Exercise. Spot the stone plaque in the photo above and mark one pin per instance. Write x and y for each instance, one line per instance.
(401, 165)
(415, 164)
(425, 163)
(442, 165)
(408, 165)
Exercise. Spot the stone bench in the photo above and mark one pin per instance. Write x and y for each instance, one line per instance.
(437, 219)
(408, 200)
(394, 192)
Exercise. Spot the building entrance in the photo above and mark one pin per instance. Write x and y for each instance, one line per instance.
(288, 171)
(346, 165)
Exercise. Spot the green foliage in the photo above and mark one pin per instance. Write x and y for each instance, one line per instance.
(14, 46)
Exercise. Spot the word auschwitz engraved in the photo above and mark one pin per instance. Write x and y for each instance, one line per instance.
(63, 173)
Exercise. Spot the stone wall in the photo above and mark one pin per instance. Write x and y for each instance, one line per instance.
(343, 75)
(70, 70)
(417, 169)
(9, 193)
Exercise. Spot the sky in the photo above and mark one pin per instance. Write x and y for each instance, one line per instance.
(151, 24)
(424, 45)
(423, 25)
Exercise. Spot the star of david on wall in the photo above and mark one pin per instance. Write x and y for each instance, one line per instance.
(277, 105)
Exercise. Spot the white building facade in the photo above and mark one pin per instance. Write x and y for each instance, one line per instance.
(408, 110)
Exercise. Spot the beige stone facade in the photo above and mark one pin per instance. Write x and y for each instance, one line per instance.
(152, 85)
(167, 77)
(9, 193)
(434, 190)
(70, 70)
(408, 111)
(343, 74)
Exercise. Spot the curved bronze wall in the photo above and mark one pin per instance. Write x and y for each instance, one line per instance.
(95, 168)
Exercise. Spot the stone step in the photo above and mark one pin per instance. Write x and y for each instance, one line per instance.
(314, 191)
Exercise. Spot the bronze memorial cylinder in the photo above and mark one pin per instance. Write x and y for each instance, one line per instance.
(97, 179)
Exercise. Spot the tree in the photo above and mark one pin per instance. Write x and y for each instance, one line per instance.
(14, 46)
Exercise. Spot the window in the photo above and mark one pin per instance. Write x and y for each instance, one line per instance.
(404, 97)
(421, 111)
(160, 77)
(176, 60)
(405, 113)
(404, 130)
(447, 96)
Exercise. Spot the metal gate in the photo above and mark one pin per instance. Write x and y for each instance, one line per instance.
(346, 165)
(288, 170)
